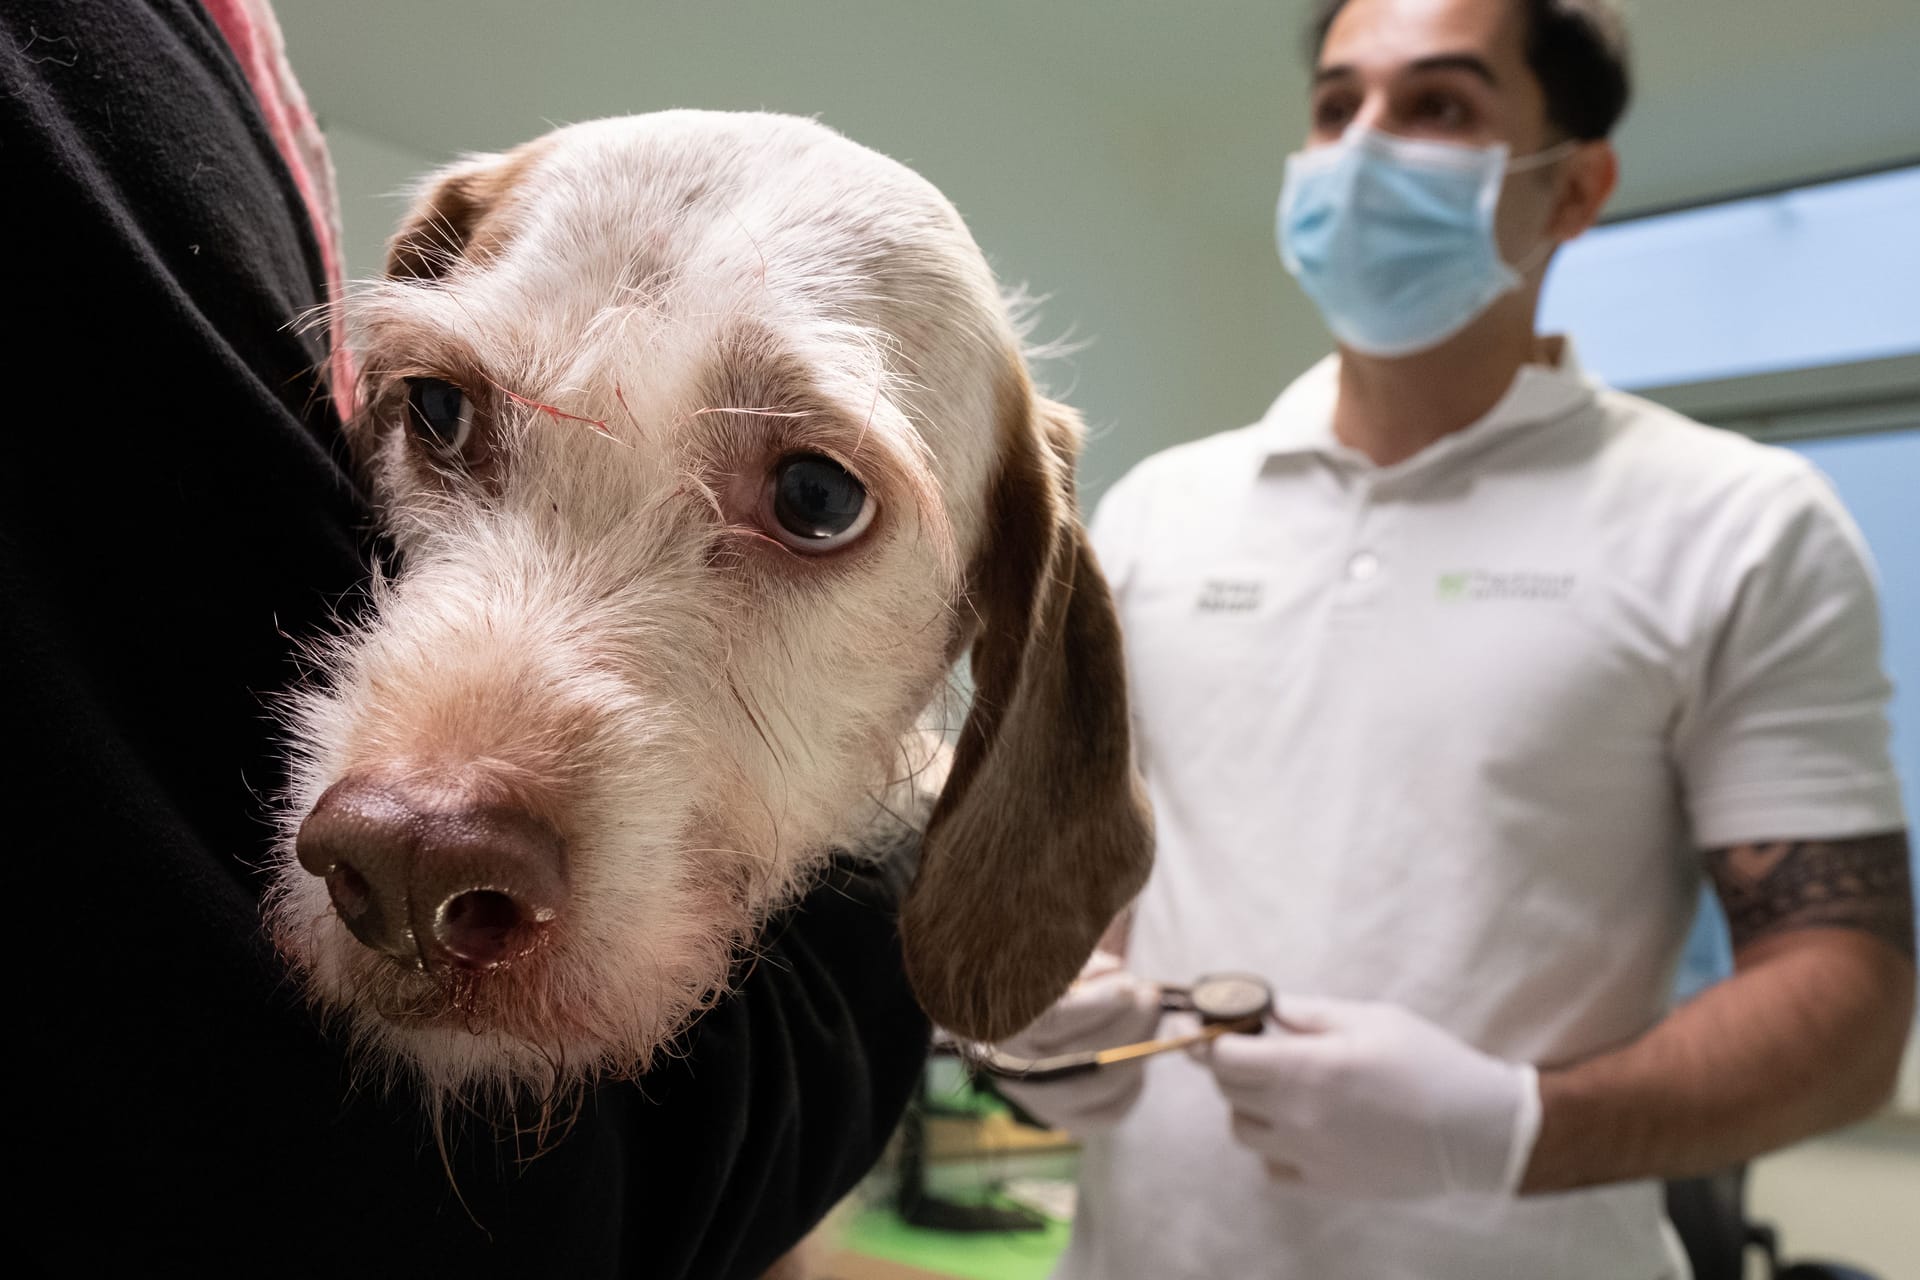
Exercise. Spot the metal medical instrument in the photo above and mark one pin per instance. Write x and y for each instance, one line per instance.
(1238, 1003)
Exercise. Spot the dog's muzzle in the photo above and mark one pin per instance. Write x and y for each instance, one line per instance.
(431, 877)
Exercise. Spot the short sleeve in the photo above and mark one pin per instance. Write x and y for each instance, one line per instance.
(1784, 734)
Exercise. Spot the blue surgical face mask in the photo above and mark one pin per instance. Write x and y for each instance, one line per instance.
(1393, 238)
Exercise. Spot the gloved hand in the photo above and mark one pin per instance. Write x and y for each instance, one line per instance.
(1370, 1099)
(1106, 1006)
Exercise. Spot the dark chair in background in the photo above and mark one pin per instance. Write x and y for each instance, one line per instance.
(1711, 1216)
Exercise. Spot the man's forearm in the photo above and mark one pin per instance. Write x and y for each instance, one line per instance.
(1799, 1041)
(1806, 1036)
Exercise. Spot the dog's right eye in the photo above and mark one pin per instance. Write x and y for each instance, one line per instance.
(441, 415)
(817, 504)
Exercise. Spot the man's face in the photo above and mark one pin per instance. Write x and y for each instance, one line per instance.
(1444, 71)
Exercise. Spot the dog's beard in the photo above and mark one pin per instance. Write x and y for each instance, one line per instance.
(541, 1026)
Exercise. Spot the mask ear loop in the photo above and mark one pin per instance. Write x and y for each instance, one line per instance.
(1545, 156)
(1535, 259)
(1527, 164)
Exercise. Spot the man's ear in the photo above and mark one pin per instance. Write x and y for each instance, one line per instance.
(1042, 833)
(1592, 173)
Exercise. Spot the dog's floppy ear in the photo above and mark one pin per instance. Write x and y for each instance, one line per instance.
(450, 217)
(1042, 834)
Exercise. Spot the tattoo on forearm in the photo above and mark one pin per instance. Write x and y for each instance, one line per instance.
(1864, 884)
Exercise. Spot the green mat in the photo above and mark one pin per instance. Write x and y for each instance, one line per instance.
(1023, 1255)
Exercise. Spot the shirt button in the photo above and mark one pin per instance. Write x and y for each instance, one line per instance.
(1362, 566)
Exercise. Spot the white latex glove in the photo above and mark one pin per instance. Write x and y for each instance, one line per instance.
(1105, 1006)
(1372, 1100)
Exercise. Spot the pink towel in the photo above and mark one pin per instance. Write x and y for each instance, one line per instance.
(254, 35)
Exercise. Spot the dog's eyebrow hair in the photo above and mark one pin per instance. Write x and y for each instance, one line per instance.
(760, 412)
(555, 413)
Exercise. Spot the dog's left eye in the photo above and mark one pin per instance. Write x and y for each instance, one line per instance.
(441, 415)
(818, 505)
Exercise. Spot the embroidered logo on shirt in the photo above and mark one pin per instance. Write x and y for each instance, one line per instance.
(1229, 595)
(1522, 584)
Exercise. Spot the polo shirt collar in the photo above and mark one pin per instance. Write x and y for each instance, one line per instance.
(1300, 422)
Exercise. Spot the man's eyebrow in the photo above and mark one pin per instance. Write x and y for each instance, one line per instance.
(1469, 62)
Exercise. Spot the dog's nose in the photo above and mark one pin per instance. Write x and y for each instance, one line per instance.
(431, 877)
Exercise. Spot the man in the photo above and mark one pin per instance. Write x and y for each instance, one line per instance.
(1453, 675)
(174, 510)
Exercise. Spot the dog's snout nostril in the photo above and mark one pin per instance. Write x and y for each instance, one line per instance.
(352, 895)
(493, 887)
(355, 839)
(360, 907)
(432, 877)
(481, 928)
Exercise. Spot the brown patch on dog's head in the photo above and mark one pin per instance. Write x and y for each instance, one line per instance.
(1042, 834)
(459, 216)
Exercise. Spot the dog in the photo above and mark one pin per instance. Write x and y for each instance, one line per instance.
(708, 448)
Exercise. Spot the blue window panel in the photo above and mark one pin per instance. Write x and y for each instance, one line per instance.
(1875, 476)
(1708, 955)
(1819, 275)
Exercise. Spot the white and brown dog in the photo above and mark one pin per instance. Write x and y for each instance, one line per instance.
(709, 447)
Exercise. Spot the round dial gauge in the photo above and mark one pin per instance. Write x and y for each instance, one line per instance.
(1231, 997)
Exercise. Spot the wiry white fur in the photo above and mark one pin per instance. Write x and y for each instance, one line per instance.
(700, 715)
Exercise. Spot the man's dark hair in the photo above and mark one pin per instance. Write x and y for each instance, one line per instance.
(1576, 48)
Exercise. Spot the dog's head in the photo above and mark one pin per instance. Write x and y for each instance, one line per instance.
(708, 448)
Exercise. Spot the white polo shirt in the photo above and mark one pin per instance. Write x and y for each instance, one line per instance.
(1451, 733)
